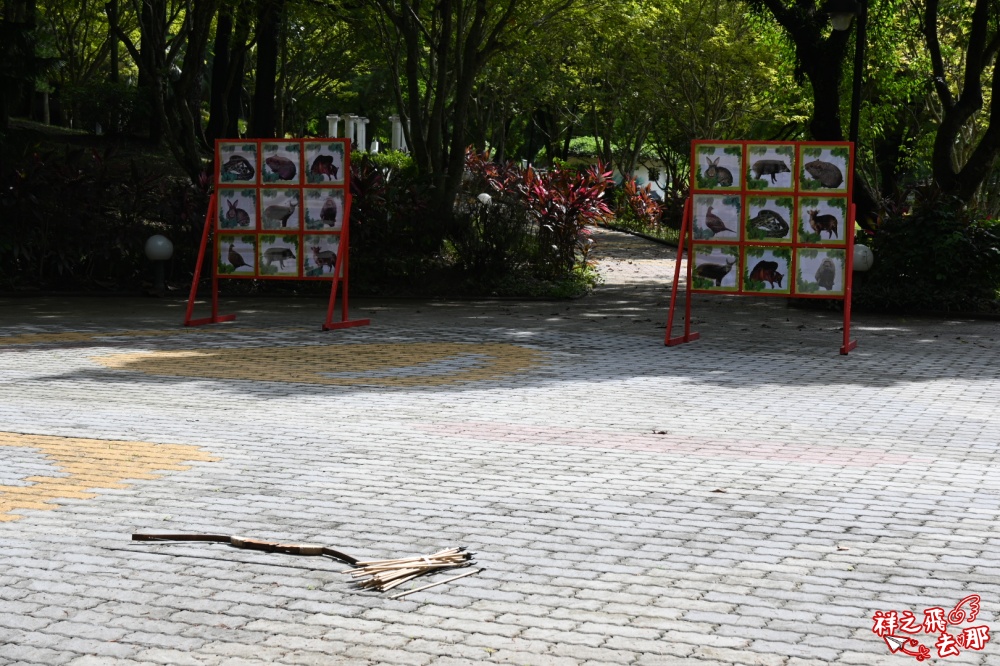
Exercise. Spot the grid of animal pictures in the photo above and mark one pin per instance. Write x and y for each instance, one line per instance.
(326, 162)
(237, 162)
(822, 220)
(237, 255)
(323, 209)
(767, 270)
(770, 167)
(320, 255)
(820, 271)
(281, 162)
(717, 166)
(824, 169)
(281, 207)
(716, 217)
(237, 208)
(716, 268)
(769, 219)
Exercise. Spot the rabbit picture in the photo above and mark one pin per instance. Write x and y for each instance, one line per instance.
(722, 176)
(237, 215)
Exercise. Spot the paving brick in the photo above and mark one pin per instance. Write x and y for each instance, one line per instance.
(560, 441)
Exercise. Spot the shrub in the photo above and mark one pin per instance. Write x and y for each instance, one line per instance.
(562, 201)
(392, 237)
(76, 219)
(635, 208)
(495, 238)
(939, 256)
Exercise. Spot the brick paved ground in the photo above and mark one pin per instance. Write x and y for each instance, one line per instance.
(750, 498)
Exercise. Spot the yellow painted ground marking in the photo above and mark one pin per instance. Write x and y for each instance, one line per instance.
(88, 465)
(399, 364)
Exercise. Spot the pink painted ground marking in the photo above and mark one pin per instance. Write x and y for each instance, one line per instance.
(745, 449)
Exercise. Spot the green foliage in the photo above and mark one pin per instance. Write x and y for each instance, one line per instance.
(394, 161)
(74, 219)
(940, 256)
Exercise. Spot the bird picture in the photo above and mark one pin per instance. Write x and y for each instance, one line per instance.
(236, 259)
(715, 223)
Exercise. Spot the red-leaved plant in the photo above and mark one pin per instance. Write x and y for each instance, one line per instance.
(563, 201)
(642, 208)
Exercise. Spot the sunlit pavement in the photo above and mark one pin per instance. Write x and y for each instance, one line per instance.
(752, 497)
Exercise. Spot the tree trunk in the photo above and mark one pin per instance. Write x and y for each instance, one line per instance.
(981, 51)
(152, 51)
(268, 30)
(219, 95)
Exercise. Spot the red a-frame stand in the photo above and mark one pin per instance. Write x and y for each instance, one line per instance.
(751, 171)
(340, 269)
(273, 188)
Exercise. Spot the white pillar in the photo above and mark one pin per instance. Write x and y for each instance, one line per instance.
(356, 129)
(395, 133)
(349, 126)
(363, 133)
(332, 123)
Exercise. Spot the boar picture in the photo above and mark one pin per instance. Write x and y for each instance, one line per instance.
(279, 254)
(769, 168)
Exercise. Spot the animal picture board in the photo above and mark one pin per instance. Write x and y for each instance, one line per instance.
(787, 193)
(278, 188)
(768, 218)
(281, 211)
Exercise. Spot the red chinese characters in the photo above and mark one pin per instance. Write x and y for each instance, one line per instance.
(892, 626)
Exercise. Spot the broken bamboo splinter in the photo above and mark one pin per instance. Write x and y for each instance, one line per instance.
(380, 575)
(384, 575)
(440, 582)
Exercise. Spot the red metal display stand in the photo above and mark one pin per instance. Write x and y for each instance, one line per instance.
(286, 217)
(746, 211)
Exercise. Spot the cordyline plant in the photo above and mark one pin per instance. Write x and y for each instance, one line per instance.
(562, 202)
(642, 208)
(498, 179)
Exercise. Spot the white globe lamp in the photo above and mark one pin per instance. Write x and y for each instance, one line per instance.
(158, 250)
(863, 258)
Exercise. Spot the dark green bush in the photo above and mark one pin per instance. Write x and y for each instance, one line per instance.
(940, 256)
(77, 219)
(394, 239)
